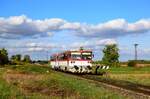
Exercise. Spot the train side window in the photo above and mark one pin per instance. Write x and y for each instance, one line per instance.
(65, 56)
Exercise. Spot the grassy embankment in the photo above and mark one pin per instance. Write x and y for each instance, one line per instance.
(41, 82)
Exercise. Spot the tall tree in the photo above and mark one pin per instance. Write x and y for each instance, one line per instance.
(13, 58)
(27, 59)
(3, 56)
(111, 55)
(16, 58)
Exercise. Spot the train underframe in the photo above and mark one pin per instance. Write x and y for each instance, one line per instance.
(74, 69)
(80, 69)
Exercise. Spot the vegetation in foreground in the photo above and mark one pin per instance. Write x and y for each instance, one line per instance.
(40, 82)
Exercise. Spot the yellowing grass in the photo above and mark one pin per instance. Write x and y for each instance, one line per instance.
(35, 82)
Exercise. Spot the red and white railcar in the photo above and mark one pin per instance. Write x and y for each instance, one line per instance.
(73, 61)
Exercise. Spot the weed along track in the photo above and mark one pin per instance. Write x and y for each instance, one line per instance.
(126, 88)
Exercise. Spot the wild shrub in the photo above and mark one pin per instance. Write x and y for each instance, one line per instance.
(132, 63)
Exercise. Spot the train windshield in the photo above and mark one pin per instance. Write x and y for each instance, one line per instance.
(83, 56)
(76, 55)
(87, 56)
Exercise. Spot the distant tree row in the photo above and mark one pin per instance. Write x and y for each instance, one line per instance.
(15, 59)
(110, 57)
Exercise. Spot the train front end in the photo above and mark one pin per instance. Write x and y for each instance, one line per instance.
(80, 61)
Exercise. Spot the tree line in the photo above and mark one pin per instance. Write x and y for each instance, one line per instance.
(15, 59)
(110, 57)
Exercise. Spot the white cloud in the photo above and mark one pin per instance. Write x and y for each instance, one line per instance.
(94, 44)
(22, 26)
(115, 28)
(71, 26)
(41, 45)
(49, 33)
(35, 49)
(106, 42)
(146, 50)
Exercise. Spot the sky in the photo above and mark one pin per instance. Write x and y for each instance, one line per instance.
(43, 27)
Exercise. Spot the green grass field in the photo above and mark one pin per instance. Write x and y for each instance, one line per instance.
(139, 75)
(31, 81)
(17, 82)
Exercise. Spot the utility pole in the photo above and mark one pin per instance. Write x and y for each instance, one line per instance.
(135, 46)
(47, 55)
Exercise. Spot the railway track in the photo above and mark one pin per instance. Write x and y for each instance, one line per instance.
(135, 91)
(126, 88)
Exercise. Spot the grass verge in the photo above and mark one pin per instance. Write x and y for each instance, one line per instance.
(41, 82)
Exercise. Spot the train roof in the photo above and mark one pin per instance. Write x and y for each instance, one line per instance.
(69, 51)
(79, 51)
